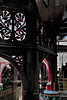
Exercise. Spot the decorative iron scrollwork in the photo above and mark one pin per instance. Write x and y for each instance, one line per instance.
(12, 26)
(20, 27)
(5, 25)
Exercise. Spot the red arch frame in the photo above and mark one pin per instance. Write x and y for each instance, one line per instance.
(7, 63)
(50, 75)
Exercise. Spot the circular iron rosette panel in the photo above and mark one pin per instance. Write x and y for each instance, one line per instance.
(12, 26)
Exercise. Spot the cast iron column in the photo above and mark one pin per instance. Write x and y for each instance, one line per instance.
(31, 54)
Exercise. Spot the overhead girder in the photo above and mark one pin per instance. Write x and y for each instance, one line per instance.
(20, 3)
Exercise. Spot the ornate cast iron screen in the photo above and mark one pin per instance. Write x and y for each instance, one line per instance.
(44, 38)
(18, 60)
(12, 26)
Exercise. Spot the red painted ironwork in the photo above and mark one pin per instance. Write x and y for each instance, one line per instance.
(50, 85)
(2, 68)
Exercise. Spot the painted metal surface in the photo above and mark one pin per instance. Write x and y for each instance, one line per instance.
(54, 10)
(2, 67)
(50, 85)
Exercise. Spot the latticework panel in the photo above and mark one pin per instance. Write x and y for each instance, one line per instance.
(18, 59)
(12, 26)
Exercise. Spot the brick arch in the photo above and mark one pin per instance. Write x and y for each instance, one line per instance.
(21, 74)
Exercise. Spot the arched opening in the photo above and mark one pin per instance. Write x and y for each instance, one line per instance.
(11, 79)
(46, 77)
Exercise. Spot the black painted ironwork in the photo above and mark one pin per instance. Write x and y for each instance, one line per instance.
(20, 27)
(18, 59)
(20, 2)
(12, 26)
(5, 25)
(43, 37)
(7, 74)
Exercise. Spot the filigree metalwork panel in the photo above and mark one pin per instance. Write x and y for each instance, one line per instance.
(20, 27)
(43, 37)
(12, 26)
(5, 25)
(18, 59)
